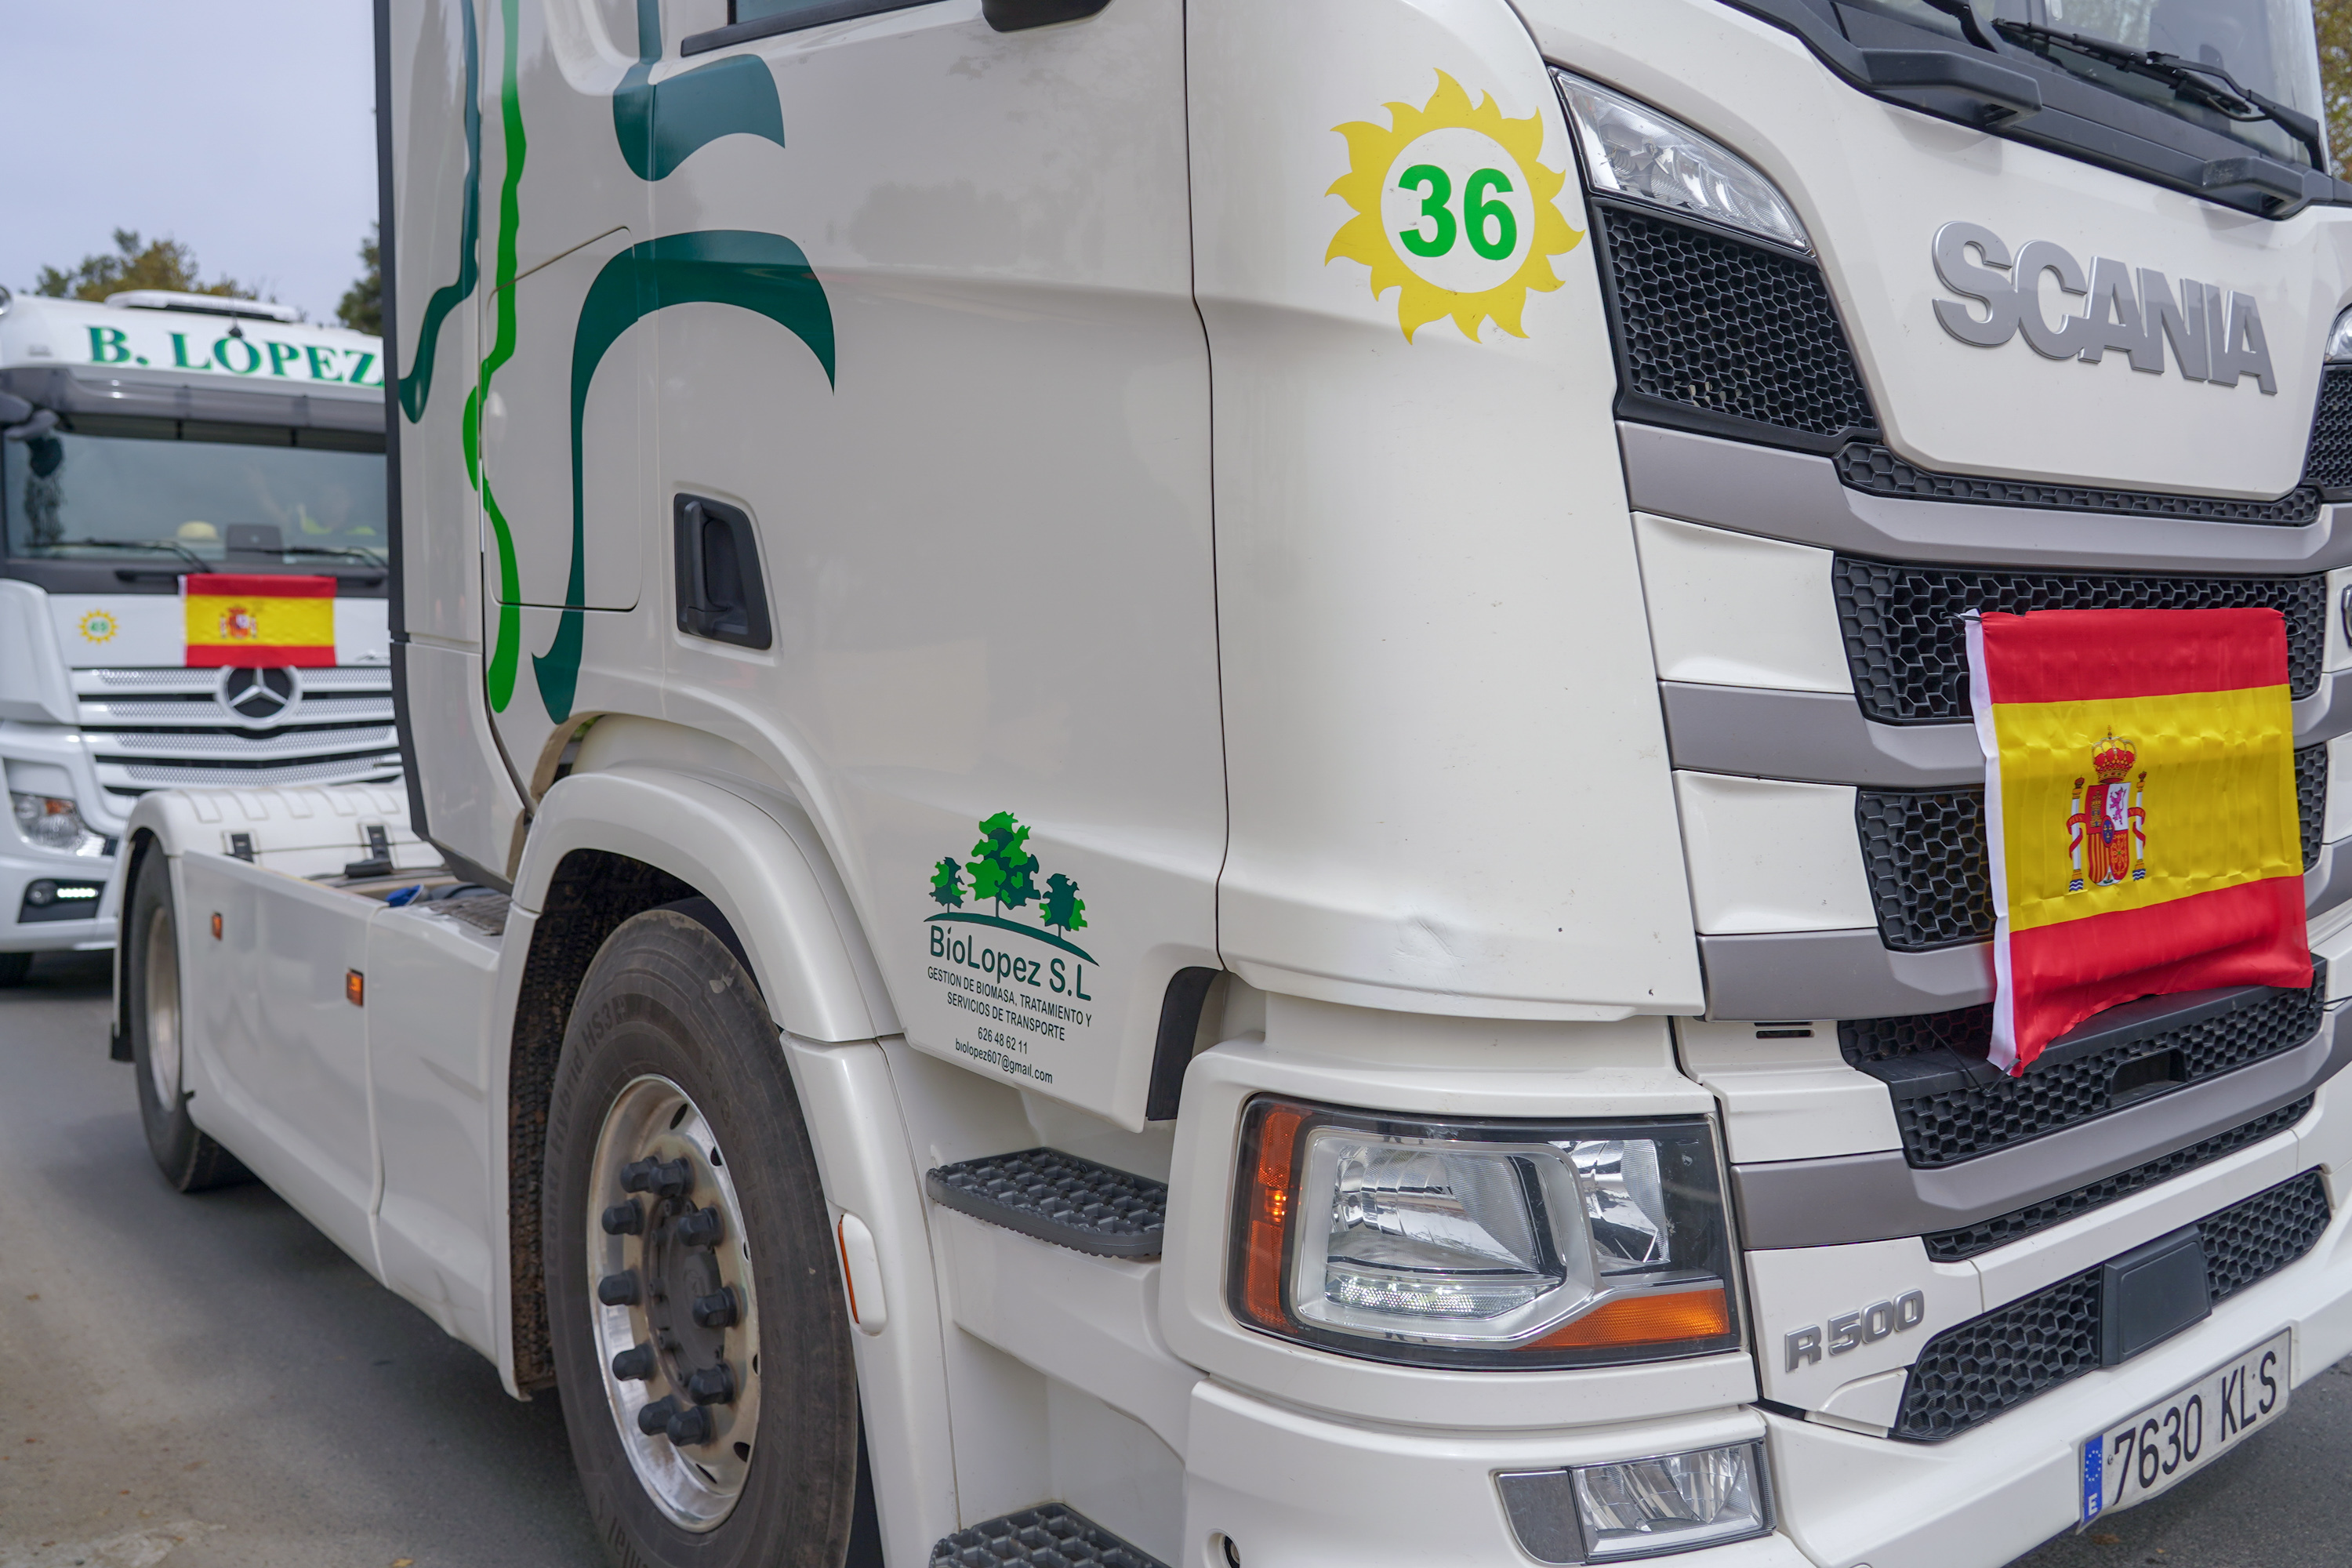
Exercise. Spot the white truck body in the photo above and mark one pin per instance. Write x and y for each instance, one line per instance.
(1482, 694)
(159, 408)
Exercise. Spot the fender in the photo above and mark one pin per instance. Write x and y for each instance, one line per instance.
(767, 874)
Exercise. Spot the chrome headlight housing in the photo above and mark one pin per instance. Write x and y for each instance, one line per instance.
(1632, 152)
(52, 821)
(1482, 1244)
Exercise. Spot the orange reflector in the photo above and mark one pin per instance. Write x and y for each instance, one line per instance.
(216, 925)
(1267, 1215)
(355, 988)
(1645, 1320)
(848, 1279)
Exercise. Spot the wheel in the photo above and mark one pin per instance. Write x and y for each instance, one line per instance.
(189, 1159)
(14, 967)
(694, 1306)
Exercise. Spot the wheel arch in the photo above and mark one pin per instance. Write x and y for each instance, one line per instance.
(610, 844)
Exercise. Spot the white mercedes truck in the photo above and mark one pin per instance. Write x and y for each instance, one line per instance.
(144, 440)
(1189, 782)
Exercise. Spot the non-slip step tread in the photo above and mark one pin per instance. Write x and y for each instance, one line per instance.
(1057, 1198)
(1051, 1535)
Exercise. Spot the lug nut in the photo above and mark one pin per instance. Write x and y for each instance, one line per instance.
(634, 1364)
(703, 1228)
(655, 1418)
(624, 1219)
(692, 1426)
(712, 1385)
(663, 1178)
(618, 1289)
(715, 1310)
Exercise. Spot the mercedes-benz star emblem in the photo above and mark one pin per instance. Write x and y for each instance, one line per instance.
(259, 696)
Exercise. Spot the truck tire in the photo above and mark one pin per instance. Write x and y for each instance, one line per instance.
(189, 1159)
(695, 1307)
(14, 967)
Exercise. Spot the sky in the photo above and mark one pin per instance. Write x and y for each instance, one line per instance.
(244, 128)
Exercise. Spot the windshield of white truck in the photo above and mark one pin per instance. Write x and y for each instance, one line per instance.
(201, 496)
(2248, 70)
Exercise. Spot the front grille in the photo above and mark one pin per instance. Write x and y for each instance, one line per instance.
(1971, 1374)
(164, 729)
(1930, 873)
(2328, 463)
(140, 776)
(1951, 1104)
(1955, 1245)
(1907, 649)
(1710, 323)
(1863, 466)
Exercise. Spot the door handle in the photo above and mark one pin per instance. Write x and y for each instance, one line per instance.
(721, 591)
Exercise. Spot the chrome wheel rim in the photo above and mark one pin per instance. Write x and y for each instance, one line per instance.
(163, 997)
(649, 1349)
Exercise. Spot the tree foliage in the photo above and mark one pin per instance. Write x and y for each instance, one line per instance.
(947, 884)
(1002, 869)
(137, 263)
(1063, 910)
(361, 306)
(2335, 21)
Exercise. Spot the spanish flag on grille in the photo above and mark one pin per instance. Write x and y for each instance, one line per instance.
(257, 621)
(2140, 810)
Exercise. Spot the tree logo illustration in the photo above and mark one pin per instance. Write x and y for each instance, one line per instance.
(1063, 910)
(1002, 869)
(1003, 873)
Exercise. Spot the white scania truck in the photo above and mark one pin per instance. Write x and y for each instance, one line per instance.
(1190, 780)
(152, 438)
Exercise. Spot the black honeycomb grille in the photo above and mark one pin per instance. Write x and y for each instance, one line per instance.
(1955, 1245)
(2328, 464)
(1951, 1104)
(1907, 651)
(1863, 466)
(1930, 872)
(2255, 1239)
(1970, 1374)
(1710, 323)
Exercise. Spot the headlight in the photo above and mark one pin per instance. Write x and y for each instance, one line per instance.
(50, 823)
(2340, 339)
(1631, 150)
(1640, 1508)
(1486, 1244)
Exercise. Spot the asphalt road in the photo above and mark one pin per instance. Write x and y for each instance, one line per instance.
(207, 1382)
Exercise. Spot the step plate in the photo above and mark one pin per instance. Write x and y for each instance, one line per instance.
(1057, 1198)
(1051, 1535)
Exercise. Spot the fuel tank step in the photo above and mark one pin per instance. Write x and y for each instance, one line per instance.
(1061, 1198)
(1051, 1535)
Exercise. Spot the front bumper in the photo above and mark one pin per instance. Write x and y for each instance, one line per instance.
(1286, 1485)
(2000, 1490)
(20, 866)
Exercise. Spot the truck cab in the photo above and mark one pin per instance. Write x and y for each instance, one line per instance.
(1191, 782)
(148, 437)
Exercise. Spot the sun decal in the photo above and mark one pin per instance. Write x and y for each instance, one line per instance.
(1453, 210)
(98, 626)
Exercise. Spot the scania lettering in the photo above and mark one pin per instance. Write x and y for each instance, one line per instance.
(151, 440)
(1192, 782)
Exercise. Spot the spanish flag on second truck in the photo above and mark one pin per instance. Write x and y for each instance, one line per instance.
(258, 620)
(2139, 809)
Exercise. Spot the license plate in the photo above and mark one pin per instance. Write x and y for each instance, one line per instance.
(2175, 1437)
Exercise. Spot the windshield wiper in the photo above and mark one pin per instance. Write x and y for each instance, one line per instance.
(182, 551)
(2209, 85)
(360, 553)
